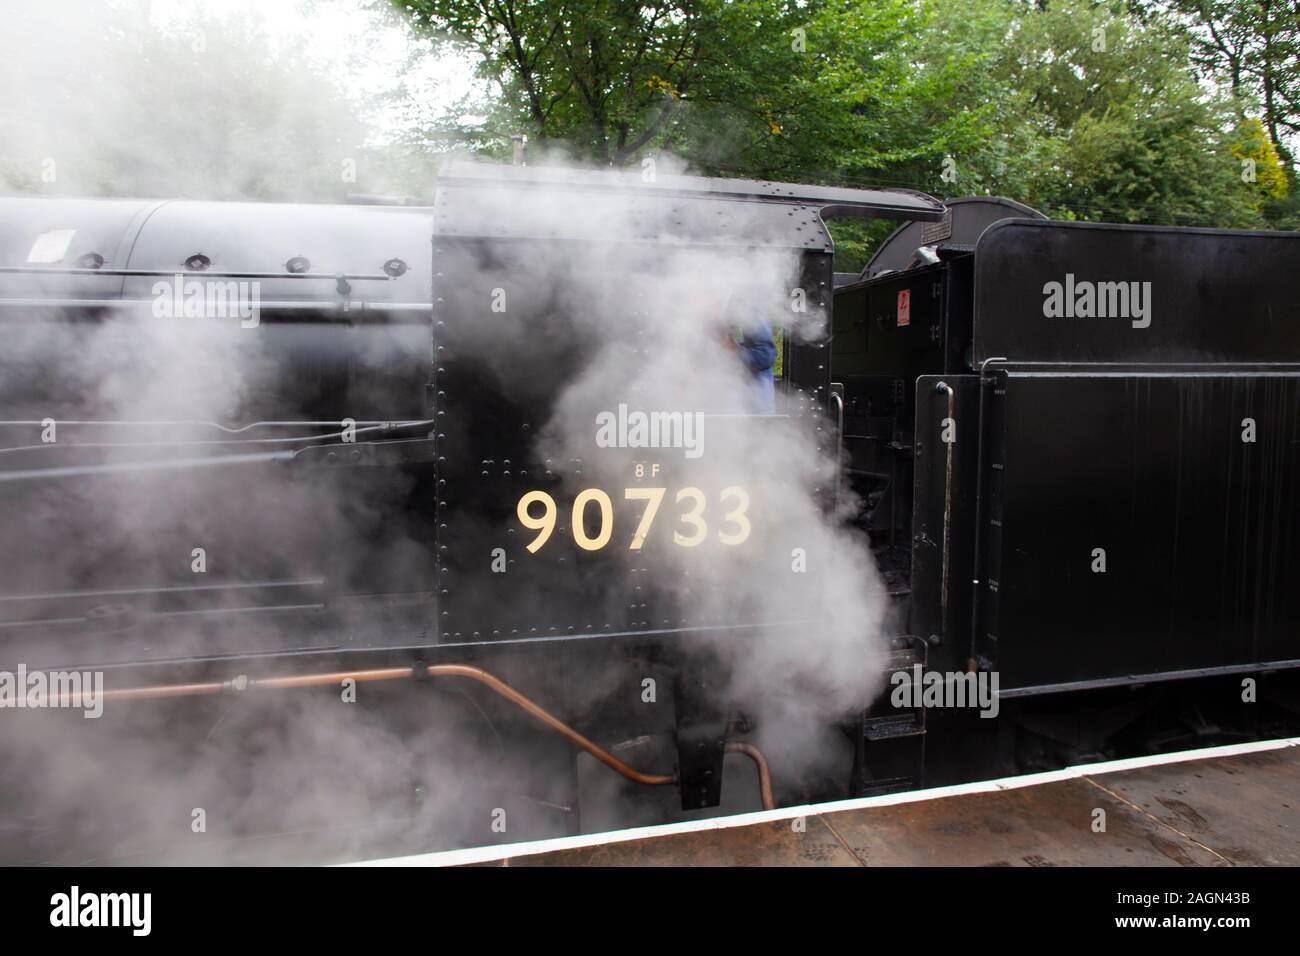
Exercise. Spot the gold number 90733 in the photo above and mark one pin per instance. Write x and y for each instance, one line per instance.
(692, 528)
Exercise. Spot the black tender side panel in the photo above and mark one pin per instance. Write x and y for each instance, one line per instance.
(1215, 296)
(1198, 527)
(1140, 469)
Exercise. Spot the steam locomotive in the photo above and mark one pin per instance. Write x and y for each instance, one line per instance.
(251, 447)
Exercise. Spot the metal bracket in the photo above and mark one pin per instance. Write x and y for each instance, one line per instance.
(701, 718)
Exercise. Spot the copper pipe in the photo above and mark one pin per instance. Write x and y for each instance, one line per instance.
(563, 729)
(495, 684)
(151, 693)
(323, 680)
(243, 683)
(764, 772)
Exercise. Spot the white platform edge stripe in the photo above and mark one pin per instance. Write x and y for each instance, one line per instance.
(488, 854)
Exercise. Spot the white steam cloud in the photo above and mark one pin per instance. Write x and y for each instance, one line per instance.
(642, 324)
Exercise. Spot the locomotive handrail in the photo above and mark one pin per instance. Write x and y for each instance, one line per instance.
(77, 271)
(358, 429)
(942, 388)
(228, 429)
(346, 307)
(838, 399)
(976, 564)
(80, 471)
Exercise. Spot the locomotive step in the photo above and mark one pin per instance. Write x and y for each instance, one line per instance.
(893, 727)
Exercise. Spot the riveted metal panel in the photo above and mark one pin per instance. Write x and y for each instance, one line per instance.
(497, 378)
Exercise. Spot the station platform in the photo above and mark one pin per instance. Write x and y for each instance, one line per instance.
(1225, 806)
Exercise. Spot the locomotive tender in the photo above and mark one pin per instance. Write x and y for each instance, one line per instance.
(1073, 446)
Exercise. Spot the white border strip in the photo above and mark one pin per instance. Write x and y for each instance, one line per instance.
(487, 854)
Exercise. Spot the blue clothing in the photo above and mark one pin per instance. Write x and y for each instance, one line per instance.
(757, 349)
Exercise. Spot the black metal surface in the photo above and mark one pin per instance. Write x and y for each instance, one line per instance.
(890, 752)
(963, 222)
(1198, 527)
(142, 240)
(451, 485)
(947, 632)
(1101, 434)
(881, 349)
(497, 375)
(1215, 296)
(340, 358)
(701, 733)
(252, 488)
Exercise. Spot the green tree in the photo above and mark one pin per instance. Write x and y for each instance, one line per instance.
(765, 87)
(1085, 109)
(1255, 46)
(603, 77)
(1097, 116)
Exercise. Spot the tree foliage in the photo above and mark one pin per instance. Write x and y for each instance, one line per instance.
(1255, 46)
(1089, 109)
(767, 85)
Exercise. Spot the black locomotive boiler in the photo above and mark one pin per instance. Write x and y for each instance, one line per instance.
(252, 448)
